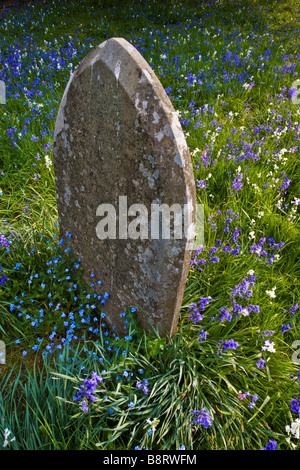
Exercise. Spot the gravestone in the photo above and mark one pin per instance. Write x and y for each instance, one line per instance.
(123, 170)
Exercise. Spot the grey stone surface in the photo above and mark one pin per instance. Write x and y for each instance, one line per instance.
(117, 134)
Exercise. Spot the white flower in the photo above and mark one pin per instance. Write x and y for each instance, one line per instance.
(195, 151)
(48, 161)
(271, 293)
(153, 423)
(279, 203)
(268, 346)
(6, 434)
(295, 201)
(251, 235)
(250, 272)
(288, 440)
(294, 428)
(245, 312)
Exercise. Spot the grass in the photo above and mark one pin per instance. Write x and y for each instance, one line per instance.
(229, 71)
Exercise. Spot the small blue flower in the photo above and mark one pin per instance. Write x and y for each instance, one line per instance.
(202, 417)
(260, 364)
(84, 407)
(272, 445)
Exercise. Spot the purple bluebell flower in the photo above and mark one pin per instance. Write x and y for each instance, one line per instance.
(85, 393)
(272, 445)
(295, 405)
(203, 336)
(284, 328)
(227, 344)
(202, 417)
(143, 385)
(260, 364)
(294, 308)
(4, 241)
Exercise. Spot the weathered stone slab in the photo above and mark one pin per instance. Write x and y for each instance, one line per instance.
(118, 142)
